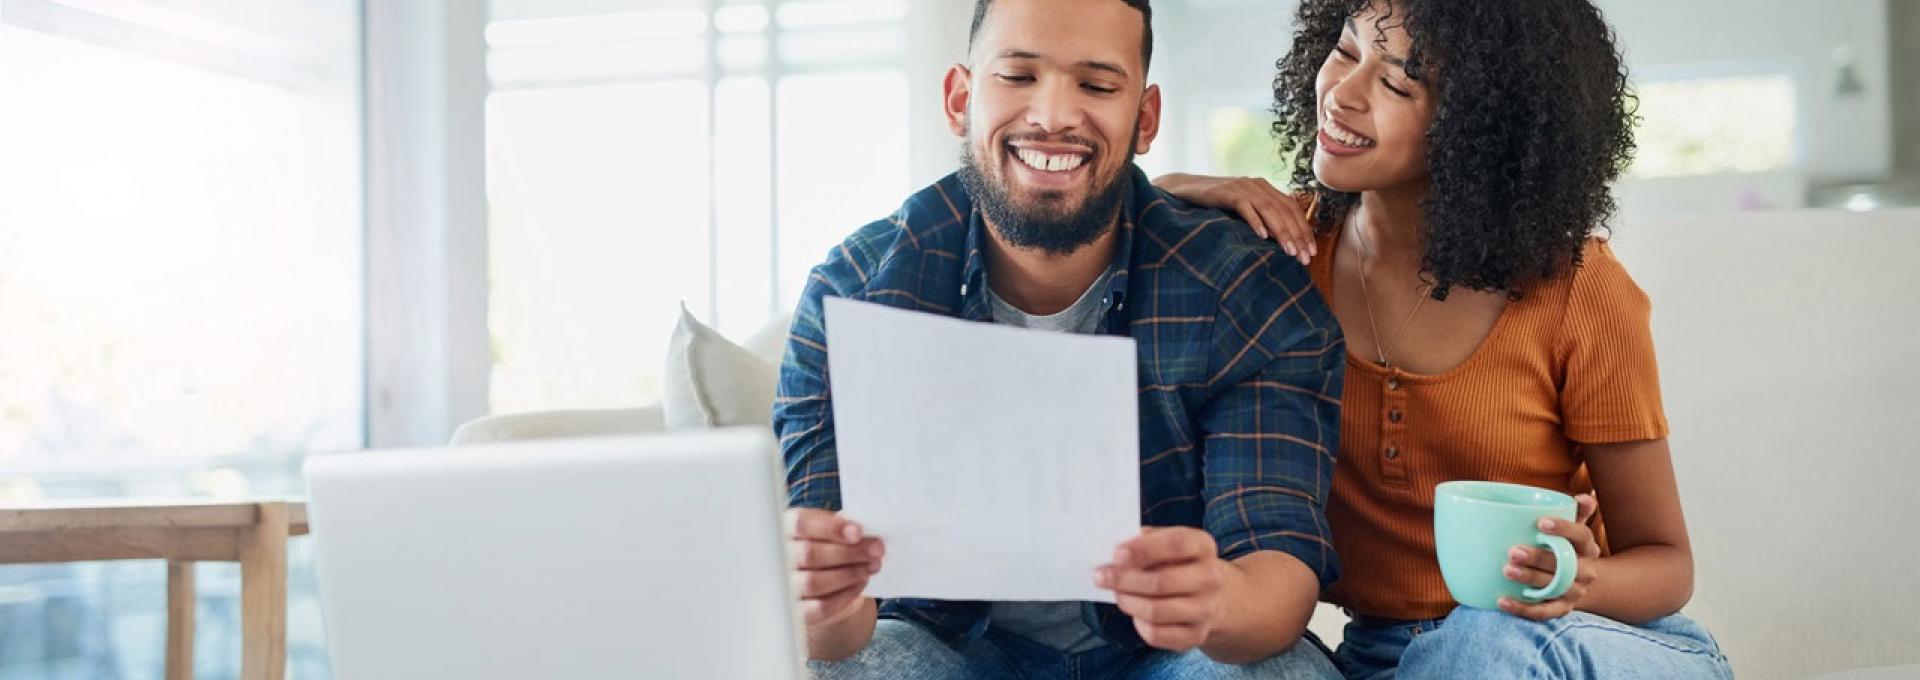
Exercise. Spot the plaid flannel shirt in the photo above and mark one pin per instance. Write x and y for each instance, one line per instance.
(1240, 373)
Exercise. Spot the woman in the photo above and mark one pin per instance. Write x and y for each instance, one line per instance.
(1455, 157)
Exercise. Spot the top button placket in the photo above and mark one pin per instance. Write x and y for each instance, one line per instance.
(1393, 452)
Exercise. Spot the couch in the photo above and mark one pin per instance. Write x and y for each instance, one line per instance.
(1789, 345)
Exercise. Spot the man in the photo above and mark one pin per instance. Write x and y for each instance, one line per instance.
(1049, 225)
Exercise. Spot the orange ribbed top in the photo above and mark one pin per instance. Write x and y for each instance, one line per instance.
(1571, 362)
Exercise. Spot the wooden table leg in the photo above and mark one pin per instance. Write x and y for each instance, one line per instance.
(263, 596)
(180, 603)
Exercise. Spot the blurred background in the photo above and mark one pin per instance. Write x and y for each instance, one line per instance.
(235, 232)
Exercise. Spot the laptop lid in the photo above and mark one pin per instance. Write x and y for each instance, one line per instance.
(592, 558)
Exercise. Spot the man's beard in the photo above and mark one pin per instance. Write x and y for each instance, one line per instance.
(1049, 225)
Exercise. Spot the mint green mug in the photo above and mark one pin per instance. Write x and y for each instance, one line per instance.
(1476, 523)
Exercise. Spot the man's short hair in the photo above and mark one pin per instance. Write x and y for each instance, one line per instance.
(1146, 19)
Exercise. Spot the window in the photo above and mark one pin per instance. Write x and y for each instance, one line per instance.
(1243, 145)
(656, 153)
(599, 214)
(180, 284)
(840, 166)
(136, 191)
(1705, 126)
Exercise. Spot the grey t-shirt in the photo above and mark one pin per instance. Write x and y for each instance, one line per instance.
(1058, 625)
(1083, 316)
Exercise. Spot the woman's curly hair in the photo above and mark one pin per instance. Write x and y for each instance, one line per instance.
(1533, 119)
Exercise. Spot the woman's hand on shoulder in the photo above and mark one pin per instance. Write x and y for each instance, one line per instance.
(1272, 213)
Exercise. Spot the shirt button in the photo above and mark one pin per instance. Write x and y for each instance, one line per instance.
(1393, 453)
(1393, 384)
(1394, 415)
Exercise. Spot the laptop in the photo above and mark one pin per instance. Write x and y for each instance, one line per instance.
(632, 557)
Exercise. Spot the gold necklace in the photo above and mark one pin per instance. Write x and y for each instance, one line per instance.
(1366, 296)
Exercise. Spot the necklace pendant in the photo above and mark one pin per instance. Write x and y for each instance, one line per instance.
(1382, 363)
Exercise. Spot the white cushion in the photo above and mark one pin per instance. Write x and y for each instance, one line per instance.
(712, 382)
(513, 427)
(770, 342)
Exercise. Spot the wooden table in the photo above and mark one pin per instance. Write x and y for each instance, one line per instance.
(253, 533)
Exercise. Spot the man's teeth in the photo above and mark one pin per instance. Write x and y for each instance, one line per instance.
(1345, 136)
(1046, 162)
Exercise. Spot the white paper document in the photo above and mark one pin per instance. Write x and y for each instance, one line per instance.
(996, 463)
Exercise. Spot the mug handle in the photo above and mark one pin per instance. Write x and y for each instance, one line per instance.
(1566, 566)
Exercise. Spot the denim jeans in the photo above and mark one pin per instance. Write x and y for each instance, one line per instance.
(901, 650)
(1476, 643)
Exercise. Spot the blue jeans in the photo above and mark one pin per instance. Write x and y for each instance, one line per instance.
(901, 650)
(1476, 643)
